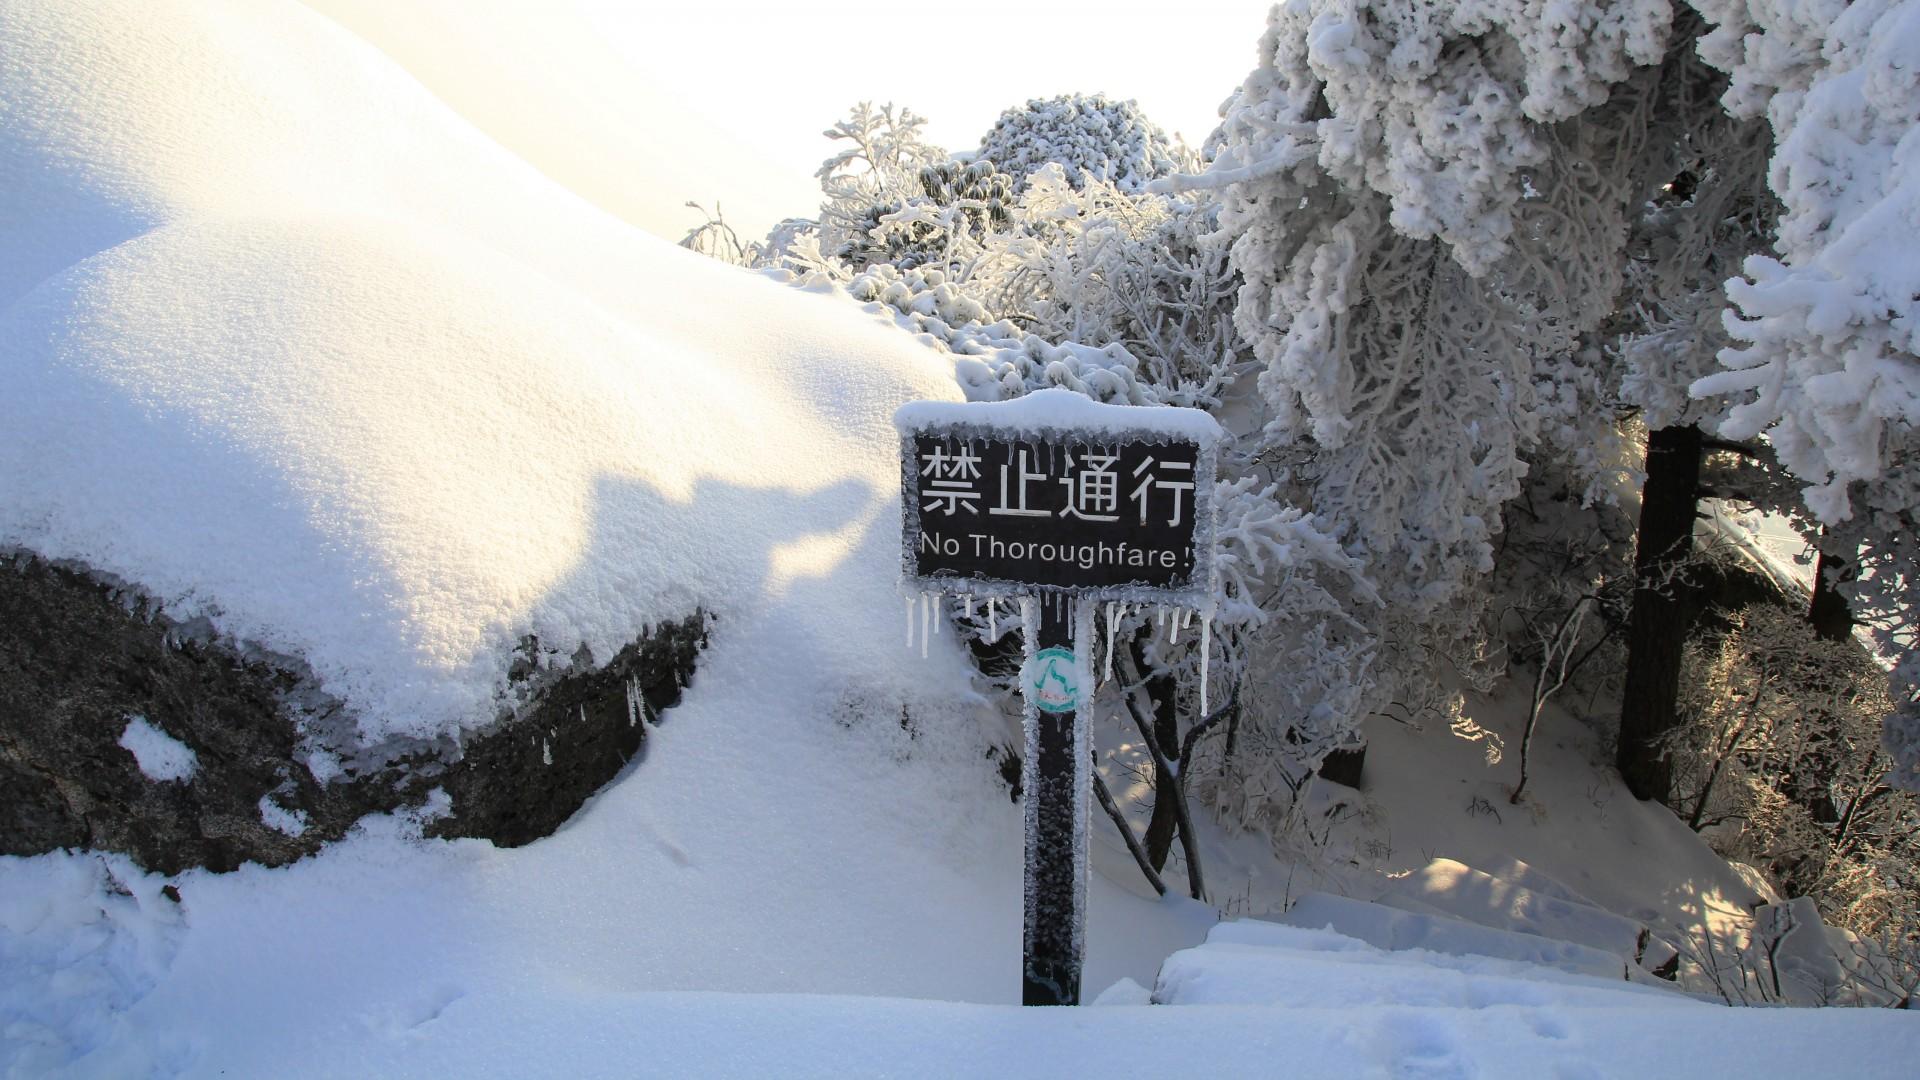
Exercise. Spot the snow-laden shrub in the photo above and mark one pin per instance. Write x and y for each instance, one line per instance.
(1092, 137)
(1783, 762)
(878, 166)
(1093, 263)
(996, 361)
(957, 206)
(1302, 662)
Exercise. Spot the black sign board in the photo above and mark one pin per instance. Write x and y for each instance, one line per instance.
(1102, 514)
(1071, 515)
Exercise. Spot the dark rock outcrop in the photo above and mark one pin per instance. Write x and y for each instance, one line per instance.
(279, 772)
(521, 780)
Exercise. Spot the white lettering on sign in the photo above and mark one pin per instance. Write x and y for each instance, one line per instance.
(1152, 481)
(950, 480)
(1022, 478)
(931, 541)
(1086, 556)
(1093, 489)
(950, 485)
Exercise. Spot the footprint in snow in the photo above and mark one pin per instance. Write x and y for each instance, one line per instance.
(409, 1016)
(1421, 1047)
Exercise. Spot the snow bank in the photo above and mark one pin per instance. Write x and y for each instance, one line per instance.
(1460, 891)
(1396, 928)
(292, 346)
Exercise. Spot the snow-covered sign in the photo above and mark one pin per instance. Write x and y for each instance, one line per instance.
(1056, 492)
(1060, 501)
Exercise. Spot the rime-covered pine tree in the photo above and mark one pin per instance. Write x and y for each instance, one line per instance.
(1826, 361)
(1448, 220)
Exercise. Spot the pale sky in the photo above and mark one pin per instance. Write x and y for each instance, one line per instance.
(641, 107)
(770, 77)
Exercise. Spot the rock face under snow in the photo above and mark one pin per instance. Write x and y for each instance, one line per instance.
(276, 775)
(521, 780)
(288, 344)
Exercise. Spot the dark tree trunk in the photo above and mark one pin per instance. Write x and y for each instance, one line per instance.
(1166, 732)
(1831, 618)
(1657, 627)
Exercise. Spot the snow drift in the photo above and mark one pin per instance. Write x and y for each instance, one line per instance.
(293, 347)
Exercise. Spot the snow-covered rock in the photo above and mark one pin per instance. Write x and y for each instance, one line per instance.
(291, 346)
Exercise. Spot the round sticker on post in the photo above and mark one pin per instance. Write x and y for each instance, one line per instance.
(1052, 680)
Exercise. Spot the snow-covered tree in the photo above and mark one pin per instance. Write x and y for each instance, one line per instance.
(1090, 136)
(1429, 207)
(1467, 232)
(1826, 361)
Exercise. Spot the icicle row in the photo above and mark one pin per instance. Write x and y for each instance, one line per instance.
(926, 619)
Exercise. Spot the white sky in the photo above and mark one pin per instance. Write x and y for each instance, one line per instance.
(770, 77)
(641, 107)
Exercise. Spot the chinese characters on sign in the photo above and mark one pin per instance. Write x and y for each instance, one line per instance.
(1065, 514)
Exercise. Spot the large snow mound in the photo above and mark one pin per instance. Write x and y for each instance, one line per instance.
(291, 345)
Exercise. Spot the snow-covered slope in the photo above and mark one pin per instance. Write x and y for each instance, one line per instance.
(290, 344)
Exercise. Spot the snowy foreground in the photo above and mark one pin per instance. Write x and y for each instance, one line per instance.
(296, 347)
(321, 980)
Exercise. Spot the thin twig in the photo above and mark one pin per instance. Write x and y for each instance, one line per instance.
(1167, 780)
(1126, 831)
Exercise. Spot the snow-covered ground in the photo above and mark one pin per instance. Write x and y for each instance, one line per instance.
(290, 343)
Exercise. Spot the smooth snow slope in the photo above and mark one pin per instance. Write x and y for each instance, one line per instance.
(290, 344)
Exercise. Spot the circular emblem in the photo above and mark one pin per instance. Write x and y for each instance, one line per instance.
(1052, 680)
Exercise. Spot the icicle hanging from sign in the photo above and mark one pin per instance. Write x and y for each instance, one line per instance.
(1206, 649)
(926, 617)
(1115, 613)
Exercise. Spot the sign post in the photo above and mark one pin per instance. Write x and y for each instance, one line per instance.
(1052, 774)
(1058, 502)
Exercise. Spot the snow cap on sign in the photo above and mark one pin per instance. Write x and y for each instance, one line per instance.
(1059, 411)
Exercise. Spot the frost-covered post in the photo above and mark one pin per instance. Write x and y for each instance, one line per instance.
(1055, 780)
(1057, 502)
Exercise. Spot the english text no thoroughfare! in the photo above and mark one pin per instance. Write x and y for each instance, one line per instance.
(1063, 513)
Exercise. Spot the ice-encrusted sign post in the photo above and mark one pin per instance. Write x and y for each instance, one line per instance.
(1056, 502)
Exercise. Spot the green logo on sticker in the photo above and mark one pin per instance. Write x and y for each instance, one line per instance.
(1052, 680)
